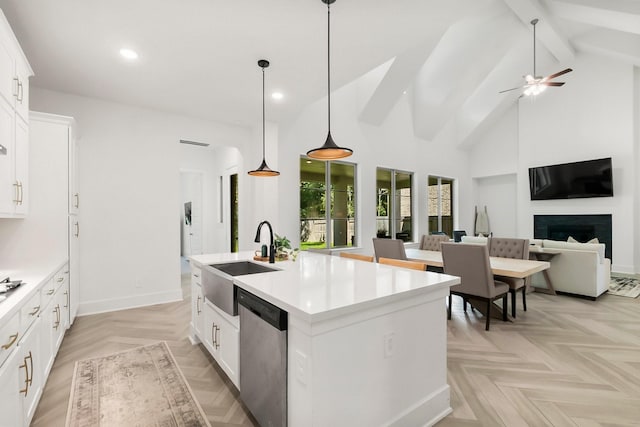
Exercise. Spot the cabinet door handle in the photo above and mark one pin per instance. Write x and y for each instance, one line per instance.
(17, 199)
(12, 340)
(217, 342)
(55, 323)
(198, 311)
(30, 356)
(20, 193)
(77, 203)
(77, 229)
(20, 92)
(25, 390)
(50, 291)
(196, 275)
(213, 334)
(67, 295)
(35, 311)
(16, 86)
(60, 279)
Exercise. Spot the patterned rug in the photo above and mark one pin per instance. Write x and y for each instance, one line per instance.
(138, 387)
(624, 287)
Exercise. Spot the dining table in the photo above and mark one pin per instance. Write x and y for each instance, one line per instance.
(507, 267)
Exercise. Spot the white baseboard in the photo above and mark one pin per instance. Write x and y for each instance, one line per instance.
(135, 301)
(429, 411)
(625, 269)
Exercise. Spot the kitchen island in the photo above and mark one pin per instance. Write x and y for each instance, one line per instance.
(367, 343)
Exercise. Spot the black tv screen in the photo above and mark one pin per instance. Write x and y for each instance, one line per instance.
(591, 178)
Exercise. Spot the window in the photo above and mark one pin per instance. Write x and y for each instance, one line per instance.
(394, 204)
(440, 205)
(327, 196)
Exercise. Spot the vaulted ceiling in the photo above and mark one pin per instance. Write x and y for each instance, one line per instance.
(199, 57)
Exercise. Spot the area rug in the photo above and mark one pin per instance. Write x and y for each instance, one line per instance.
(624, 287)
(138, 387)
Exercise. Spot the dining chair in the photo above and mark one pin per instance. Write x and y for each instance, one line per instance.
(432, 242)
(389, 248)
(471, 264)
(368, 258)
(414, 265)
(503, 247)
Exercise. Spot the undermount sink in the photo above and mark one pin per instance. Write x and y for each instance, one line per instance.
(218, 286)
(241, 268)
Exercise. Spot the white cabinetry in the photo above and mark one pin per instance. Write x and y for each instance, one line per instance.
(58, 132)
(218, 331)
(30, 377)
(14, 129)
(222, 339)
(10, 397)
(197, 305)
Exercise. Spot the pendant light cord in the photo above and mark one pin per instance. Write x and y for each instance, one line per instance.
(329, 67)
(263, 154)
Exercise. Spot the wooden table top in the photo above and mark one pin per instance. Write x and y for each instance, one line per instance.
(508, 267)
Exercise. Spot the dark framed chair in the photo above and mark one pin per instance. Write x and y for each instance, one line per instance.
(504, 247)
(471, 264)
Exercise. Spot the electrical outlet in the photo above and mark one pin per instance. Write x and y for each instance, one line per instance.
(301, 367)
(389, 345)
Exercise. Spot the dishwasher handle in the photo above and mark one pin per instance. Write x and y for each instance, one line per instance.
(268, 312)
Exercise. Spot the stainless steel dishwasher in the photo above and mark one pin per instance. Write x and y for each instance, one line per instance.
(263, 359)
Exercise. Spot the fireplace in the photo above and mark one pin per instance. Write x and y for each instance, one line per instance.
(581, 227)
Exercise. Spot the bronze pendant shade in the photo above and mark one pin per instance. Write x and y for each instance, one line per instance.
(330, 150)
(263, 169)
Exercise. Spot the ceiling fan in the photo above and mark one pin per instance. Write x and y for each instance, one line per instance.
(535, 85)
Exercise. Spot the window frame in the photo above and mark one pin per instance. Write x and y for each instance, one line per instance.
(329, 217)
(392, 207)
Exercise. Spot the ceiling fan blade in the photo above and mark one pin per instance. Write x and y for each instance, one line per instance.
(556, 84)
(559, 73)
(509, 90)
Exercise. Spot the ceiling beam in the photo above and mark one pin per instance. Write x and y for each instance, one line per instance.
(546, 31)
(397, 78)
(464, 57)
(620, 15)
(611, 44)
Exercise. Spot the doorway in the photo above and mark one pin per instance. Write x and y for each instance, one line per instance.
(191, 212)
(233, 203)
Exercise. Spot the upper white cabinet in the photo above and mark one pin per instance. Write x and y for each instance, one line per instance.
(14, 128)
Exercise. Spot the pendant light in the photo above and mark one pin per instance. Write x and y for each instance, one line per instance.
(330, 150)
(263, 170)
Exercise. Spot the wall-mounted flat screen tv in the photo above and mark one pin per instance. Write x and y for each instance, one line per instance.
(590, 178)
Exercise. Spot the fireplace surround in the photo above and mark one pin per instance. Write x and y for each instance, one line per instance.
(581, 227)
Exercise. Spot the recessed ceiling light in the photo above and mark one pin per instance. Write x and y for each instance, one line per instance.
(404, 92)
(277, 96)
(128, 54)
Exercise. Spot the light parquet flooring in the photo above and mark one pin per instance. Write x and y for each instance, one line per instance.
(564, 362)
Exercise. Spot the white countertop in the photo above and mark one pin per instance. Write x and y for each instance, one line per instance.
(32, 276)
(317, 286)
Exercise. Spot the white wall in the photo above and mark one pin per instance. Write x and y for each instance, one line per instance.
(580, 121)
(129, 162)
(391, 145)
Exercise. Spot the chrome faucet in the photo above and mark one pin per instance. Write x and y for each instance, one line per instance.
(272, 248)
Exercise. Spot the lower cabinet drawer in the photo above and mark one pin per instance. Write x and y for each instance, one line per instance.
(9, 335)
(29, 312)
